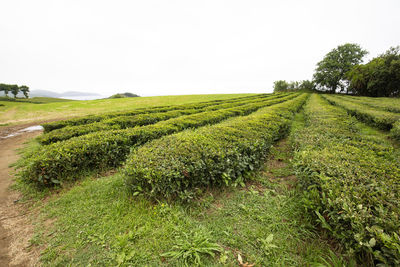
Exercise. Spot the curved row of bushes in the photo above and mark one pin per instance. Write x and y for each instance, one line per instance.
(382, 103)
(177, 166)
(123, 122)
(116, 123)
(396, 130)
(101, 150)
(48, 127)
(350, 181)
(383, 120)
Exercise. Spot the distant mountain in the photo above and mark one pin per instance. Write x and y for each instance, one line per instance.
(11, 95)
(44, 93)
(74, 94)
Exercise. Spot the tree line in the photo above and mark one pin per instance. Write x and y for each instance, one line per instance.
(341, 71)
(14, 89)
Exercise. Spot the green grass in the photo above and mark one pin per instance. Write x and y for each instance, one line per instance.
(34, 100)
(19, 112)
(98, 223)
(44, 100)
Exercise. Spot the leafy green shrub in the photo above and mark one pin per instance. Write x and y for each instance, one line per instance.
(396, 130)
(350, 181)
(123, 122)
(48, 127)
(178, 165)
(384, 120)
(105, 149)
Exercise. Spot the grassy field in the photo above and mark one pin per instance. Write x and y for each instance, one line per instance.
(292, 179)
(19, 112)
(34, 100)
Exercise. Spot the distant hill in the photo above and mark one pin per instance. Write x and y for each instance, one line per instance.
(123, 95)
(74, 94)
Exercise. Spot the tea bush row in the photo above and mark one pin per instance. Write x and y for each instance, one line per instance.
(383, 120)
(396, 130)
(66, 160)
(48, 127)
(383, 103)
(179, 165)
(350, 180)
(123, 122)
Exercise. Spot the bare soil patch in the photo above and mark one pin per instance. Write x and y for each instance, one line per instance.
(15, 226)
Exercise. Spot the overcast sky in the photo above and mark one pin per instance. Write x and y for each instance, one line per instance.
(164, 47)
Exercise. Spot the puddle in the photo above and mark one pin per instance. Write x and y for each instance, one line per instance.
(32, 128)
(29, 129)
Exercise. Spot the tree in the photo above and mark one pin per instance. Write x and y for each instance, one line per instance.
(293, 86)
(14, 90)
(5, 88)
(330, 73)
(281, 86)
(307, 85)
(379, 77)
(24, 89)
(284, 86)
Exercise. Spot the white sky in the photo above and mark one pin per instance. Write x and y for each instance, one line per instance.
(164, 47)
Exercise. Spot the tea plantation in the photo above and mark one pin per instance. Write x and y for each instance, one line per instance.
(287, 179)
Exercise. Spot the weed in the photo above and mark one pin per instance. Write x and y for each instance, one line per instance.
(191, 246)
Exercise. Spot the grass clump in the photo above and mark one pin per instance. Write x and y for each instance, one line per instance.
(191, 247)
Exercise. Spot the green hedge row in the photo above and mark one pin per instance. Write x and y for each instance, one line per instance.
(383, 120)
(101, 150)
(383, 103)
(123, 122)
(179, 165)
(396, 130)
(48, 127)
(350, 181)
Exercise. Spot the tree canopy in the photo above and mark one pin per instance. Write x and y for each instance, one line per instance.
(281, 86)
(330, 74)
(379, 77)
(123, 95)
(284, 86)
(14, 89)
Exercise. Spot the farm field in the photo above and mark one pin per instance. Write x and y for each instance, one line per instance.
(13, 113)
(288, 179)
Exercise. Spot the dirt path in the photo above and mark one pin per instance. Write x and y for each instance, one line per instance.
(15, 228)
